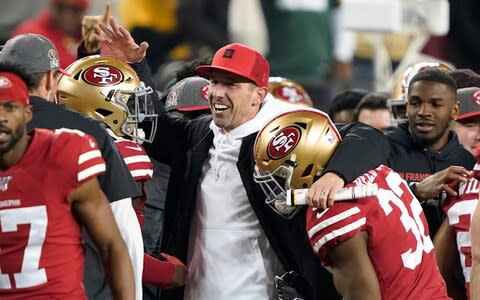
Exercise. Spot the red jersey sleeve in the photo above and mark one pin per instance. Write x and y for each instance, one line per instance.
(333, 226)
(136, 159)
(79, 151)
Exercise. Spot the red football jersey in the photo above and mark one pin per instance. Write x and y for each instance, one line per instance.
(399, 244)
(459, 211)
(136, 159)
(41, 252)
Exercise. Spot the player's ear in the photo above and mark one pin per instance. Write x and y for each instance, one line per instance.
(259, 95)
(28, 113)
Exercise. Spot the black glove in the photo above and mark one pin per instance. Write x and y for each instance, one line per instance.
(285, 287)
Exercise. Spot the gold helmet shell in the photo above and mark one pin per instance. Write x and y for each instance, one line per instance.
(289, 91)
(291, 150)
(109, 90)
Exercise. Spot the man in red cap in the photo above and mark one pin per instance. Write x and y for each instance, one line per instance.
(215, 214)
(43, 205)
(216, 219)
(60, 22)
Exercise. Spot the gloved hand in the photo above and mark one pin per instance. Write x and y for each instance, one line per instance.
(180, 271)
(284, 286)
(166, 272)
(92, 35)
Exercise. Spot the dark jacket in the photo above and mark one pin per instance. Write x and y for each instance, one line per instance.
(186, 145)
(414, 163)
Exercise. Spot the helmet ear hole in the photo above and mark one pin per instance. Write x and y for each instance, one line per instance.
(77, 75)
(307, 171)
(103, 112)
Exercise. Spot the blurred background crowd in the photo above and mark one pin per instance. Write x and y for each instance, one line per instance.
(315, 61)
(304, 41)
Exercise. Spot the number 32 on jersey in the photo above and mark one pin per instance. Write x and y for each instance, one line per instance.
(410, 218)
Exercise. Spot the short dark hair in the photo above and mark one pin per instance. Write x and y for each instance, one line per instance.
(20, 72)
(347, 99)
(373, 101)
(189, 69)
(435, 75)
(465, 78)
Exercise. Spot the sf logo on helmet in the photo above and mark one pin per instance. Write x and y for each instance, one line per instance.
(103, 75)
(291, 94)
(283, 142)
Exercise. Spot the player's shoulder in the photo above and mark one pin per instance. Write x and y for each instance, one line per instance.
(72, 141)
(51, 115)
(84, 123)
(129, 147)
(466, 191)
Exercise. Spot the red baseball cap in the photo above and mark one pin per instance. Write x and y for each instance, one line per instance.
(241, 60)
(12, 88)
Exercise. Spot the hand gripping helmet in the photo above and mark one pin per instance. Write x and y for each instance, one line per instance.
(289, 91)
(110, 91)
(398, 96)
(290, 151)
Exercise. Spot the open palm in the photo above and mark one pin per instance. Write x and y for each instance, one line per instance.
(121, 43)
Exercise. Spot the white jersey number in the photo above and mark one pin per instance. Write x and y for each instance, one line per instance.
(30, 274)
(463, 208)
(410, 219)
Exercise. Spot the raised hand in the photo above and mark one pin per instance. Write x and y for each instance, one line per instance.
(92, 35)
(444, 180)
(121, 43)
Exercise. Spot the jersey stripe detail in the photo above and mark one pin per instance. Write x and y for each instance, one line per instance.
(88, 172)
(88, 156)
(141, 173)
(137, 159)
(336, 218)
(336, 233)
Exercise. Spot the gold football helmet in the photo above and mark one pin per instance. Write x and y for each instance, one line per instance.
(290, 151)
(289, 91)
(110, 91)
(398, 96)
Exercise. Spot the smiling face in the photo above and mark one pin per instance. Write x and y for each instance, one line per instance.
(431, 107)
(233, 99)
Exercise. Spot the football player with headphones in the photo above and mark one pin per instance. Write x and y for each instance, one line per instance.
(383, 237)
(109, 90)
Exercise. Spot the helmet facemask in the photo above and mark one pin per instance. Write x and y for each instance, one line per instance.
(139, 108)
(275, 186)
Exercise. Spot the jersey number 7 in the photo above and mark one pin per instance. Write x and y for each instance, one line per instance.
(30, 273)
